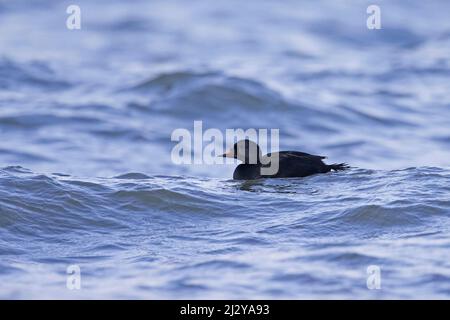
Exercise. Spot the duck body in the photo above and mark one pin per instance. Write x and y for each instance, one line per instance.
(291, 164)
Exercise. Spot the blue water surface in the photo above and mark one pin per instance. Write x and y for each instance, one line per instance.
(87, 179)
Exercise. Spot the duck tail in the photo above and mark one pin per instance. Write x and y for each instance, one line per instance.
(339, 166)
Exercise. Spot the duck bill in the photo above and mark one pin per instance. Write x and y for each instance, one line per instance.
(228, 154)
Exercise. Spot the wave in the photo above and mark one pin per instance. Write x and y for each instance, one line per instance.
(29, 74)
(47, 204)
(187, 95)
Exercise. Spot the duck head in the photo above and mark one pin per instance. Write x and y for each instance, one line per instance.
(245, 150)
